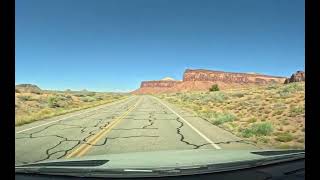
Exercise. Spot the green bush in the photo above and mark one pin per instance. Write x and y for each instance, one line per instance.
(25, 98)
(284, 137)
(290, 88)
(278, 112)
(214, 97)
(91, 94)
(53, 102)
(214, 88)
(252, 120)
(272, 86)
(258, 129)
(223, 118)
(238, 94)
(87, 99)
(294, 111)
(263, 128)
(217, 118)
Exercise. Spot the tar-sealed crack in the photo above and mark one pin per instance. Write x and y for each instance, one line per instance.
(182, 138)
(150, 121)
(49, 153)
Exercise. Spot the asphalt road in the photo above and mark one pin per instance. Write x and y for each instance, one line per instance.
(139, 123)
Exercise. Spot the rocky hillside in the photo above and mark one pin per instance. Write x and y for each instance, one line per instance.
(202, 80)
(296, 77)
(27, 88)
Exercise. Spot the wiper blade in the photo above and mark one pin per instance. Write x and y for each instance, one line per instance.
(82, 163)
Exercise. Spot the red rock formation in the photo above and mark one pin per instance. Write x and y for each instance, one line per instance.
(161, 86)
(229, 77)
(160, 83)
(202, 80)
(296, 77)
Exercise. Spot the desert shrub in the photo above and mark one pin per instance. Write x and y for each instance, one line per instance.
(301, 140)
(217, 118)
(238, 94)
(93, 94)
(284, 137)
(87, 99)
(53, 102)
(44, 112)
(68, 97)
(99, 98)
(285, 122)
(290, 88)
(223, 118)
(25, 98)
(272, 86)
(284, 94)
(252, 120)
(294, 111)
(279, 106)
(35, 91)
(208, 115)
(278, 112)
(214, 88)
(214, 97)
(258, 129)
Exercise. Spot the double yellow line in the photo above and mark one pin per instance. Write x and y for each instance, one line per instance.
(94, 139)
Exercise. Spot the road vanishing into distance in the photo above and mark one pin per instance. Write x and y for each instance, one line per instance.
(136, 124)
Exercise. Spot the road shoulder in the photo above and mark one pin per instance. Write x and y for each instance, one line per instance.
(219, 136)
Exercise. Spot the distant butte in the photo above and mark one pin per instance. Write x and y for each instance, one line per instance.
(202, 80)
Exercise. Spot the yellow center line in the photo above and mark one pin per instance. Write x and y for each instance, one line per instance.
(94, 139)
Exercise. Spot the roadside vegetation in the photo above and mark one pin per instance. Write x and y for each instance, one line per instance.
(271, 116)
(214, 88)
(32, 106)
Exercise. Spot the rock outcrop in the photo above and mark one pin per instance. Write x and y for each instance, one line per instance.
(160, 86)
(30, 88)
(202, 80)
(296, 77)
(229, 77)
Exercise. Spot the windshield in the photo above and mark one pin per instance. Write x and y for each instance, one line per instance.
(98, 78)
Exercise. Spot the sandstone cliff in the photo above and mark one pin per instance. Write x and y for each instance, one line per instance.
(229, 77)
(202, 80)
(296, 77)
(161, 86)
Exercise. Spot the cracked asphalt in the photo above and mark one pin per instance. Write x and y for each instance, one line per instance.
(152, 125)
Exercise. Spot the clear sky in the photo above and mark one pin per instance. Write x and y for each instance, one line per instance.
(112, 45)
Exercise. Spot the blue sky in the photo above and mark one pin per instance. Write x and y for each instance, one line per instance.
(112, 45)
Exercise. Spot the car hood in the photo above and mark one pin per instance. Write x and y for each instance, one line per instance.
(218, 160)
